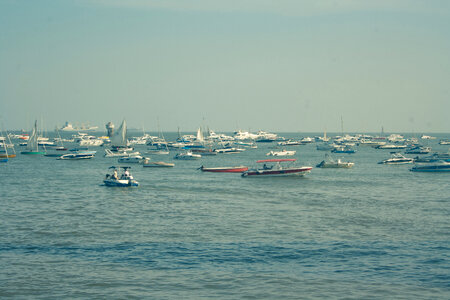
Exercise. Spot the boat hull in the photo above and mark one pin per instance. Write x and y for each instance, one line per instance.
(120, 182)
(278, 173)
(239, 169)
(159, 164)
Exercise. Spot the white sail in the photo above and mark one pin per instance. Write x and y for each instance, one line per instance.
(32, 143)
(120, 137)
(200, 135)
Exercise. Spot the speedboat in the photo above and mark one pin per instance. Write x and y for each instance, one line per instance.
(158, 164)
(397, 159)
(125, 179)
(328, 162)
(438, 166)
(390, 146)
(187, 156)
(343, 149)
(136, 159)
(238, 169)
(78, 155)
(229, 150)
(109, 153)
(275, 169)
(283, 152)
(418, 150)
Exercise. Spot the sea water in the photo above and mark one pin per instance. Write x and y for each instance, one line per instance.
(373, 231)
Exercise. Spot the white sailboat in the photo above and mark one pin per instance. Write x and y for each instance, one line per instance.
(119, 140)
(32, 143)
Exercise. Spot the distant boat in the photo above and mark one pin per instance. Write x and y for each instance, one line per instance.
(187, 156)
(78, 155)
(32, 143)
(276, 169)
(343, 149)
(69, 127)
(283, 152)
(158, 164)
(238, 169)
(328, 162)
(125, 179)
(439, 166)
(397, 159)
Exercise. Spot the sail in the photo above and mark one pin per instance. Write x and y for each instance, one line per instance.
(200, 135)
(32, 143)
(120, 137)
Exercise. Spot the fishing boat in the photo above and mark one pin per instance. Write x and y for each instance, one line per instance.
(439, 166)
(329, 162)
(158, 164)
(32, 143)
(283, 152)
(238, 169)
(187, 156)
(125, 179)
(397, 159)
(276, 169)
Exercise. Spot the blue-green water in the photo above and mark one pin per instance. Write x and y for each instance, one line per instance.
(373, 231)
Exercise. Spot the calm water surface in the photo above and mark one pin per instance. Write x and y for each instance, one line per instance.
(374, 231)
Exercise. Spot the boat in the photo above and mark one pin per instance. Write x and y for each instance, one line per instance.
(204, 152)
(238, 169)
(157, 152)
(325, 146)
(229, 150)
(397, 159)
(438, 166)
(283, 152)
(32, 143)
(119, 139)
(109, 153)
(78, 155)
(390, 146)
(135, 159)
(125, 179)
(188, 155)
(158, 164)
(4, 155)
(290, 142)
(444, 142)
(343, 149)
(329, 162)
(69, 127)
(418, 150)
(276, 169)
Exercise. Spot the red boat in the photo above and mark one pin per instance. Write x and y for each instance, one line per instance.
(276, 169)
(238, 169)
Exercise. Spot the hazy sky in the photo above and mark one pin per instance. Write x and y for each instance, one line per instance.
(275, 65)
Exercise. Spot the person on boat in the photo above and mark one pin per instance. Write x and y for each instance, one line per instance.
(126, 173)
(115, 175)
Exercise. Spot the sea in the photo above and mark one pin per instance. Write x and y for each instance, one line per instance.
(370, 232)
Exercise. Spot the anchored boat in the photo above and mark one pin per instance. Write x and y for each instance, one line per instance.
(238, 169)
(273, 167)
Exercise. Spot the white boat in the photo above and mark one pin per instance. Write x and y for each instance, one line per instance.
(444, 142)
(397, 159)
(283, 152)
(124, 180)
(32, 143)
(229, 150)
(88, 140)
(109, 153)
(119, 139)
(69, 127)
(134, 159)
(439, 166)
(187, 156)
(390, 146)
(158, 164)
(276, 169)
(78, 155)
(329, 162)
(157, 152)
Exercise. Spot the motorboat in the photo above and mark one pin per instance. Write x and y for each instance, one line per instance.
(158, 164)
(290, 143)
(229, 150)
(329, 162)
(273, 168)
(125, 179)
(343, 149)
(238, 169)
(157, 152)
(390, 146)
(109, 153)
(187, 156)
(135, 159)
(444, 142)
(204, 152)
(325, 146)
(78, 155)
(438, 166)
(397, 159)
(283, 152)
(418, 150)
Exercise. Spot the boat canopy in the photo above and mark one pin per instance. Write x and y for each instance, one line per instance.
(276, 160)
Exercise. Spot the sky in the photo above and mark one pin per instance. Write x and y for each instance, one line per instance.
(282, 66)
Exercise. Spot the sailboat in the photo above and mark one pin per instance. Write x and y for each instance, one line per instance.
(119, 140)
(32, 143)
(4, 155)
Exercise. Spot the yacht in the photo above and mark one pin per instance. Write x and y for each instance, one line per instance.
(397, 159)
